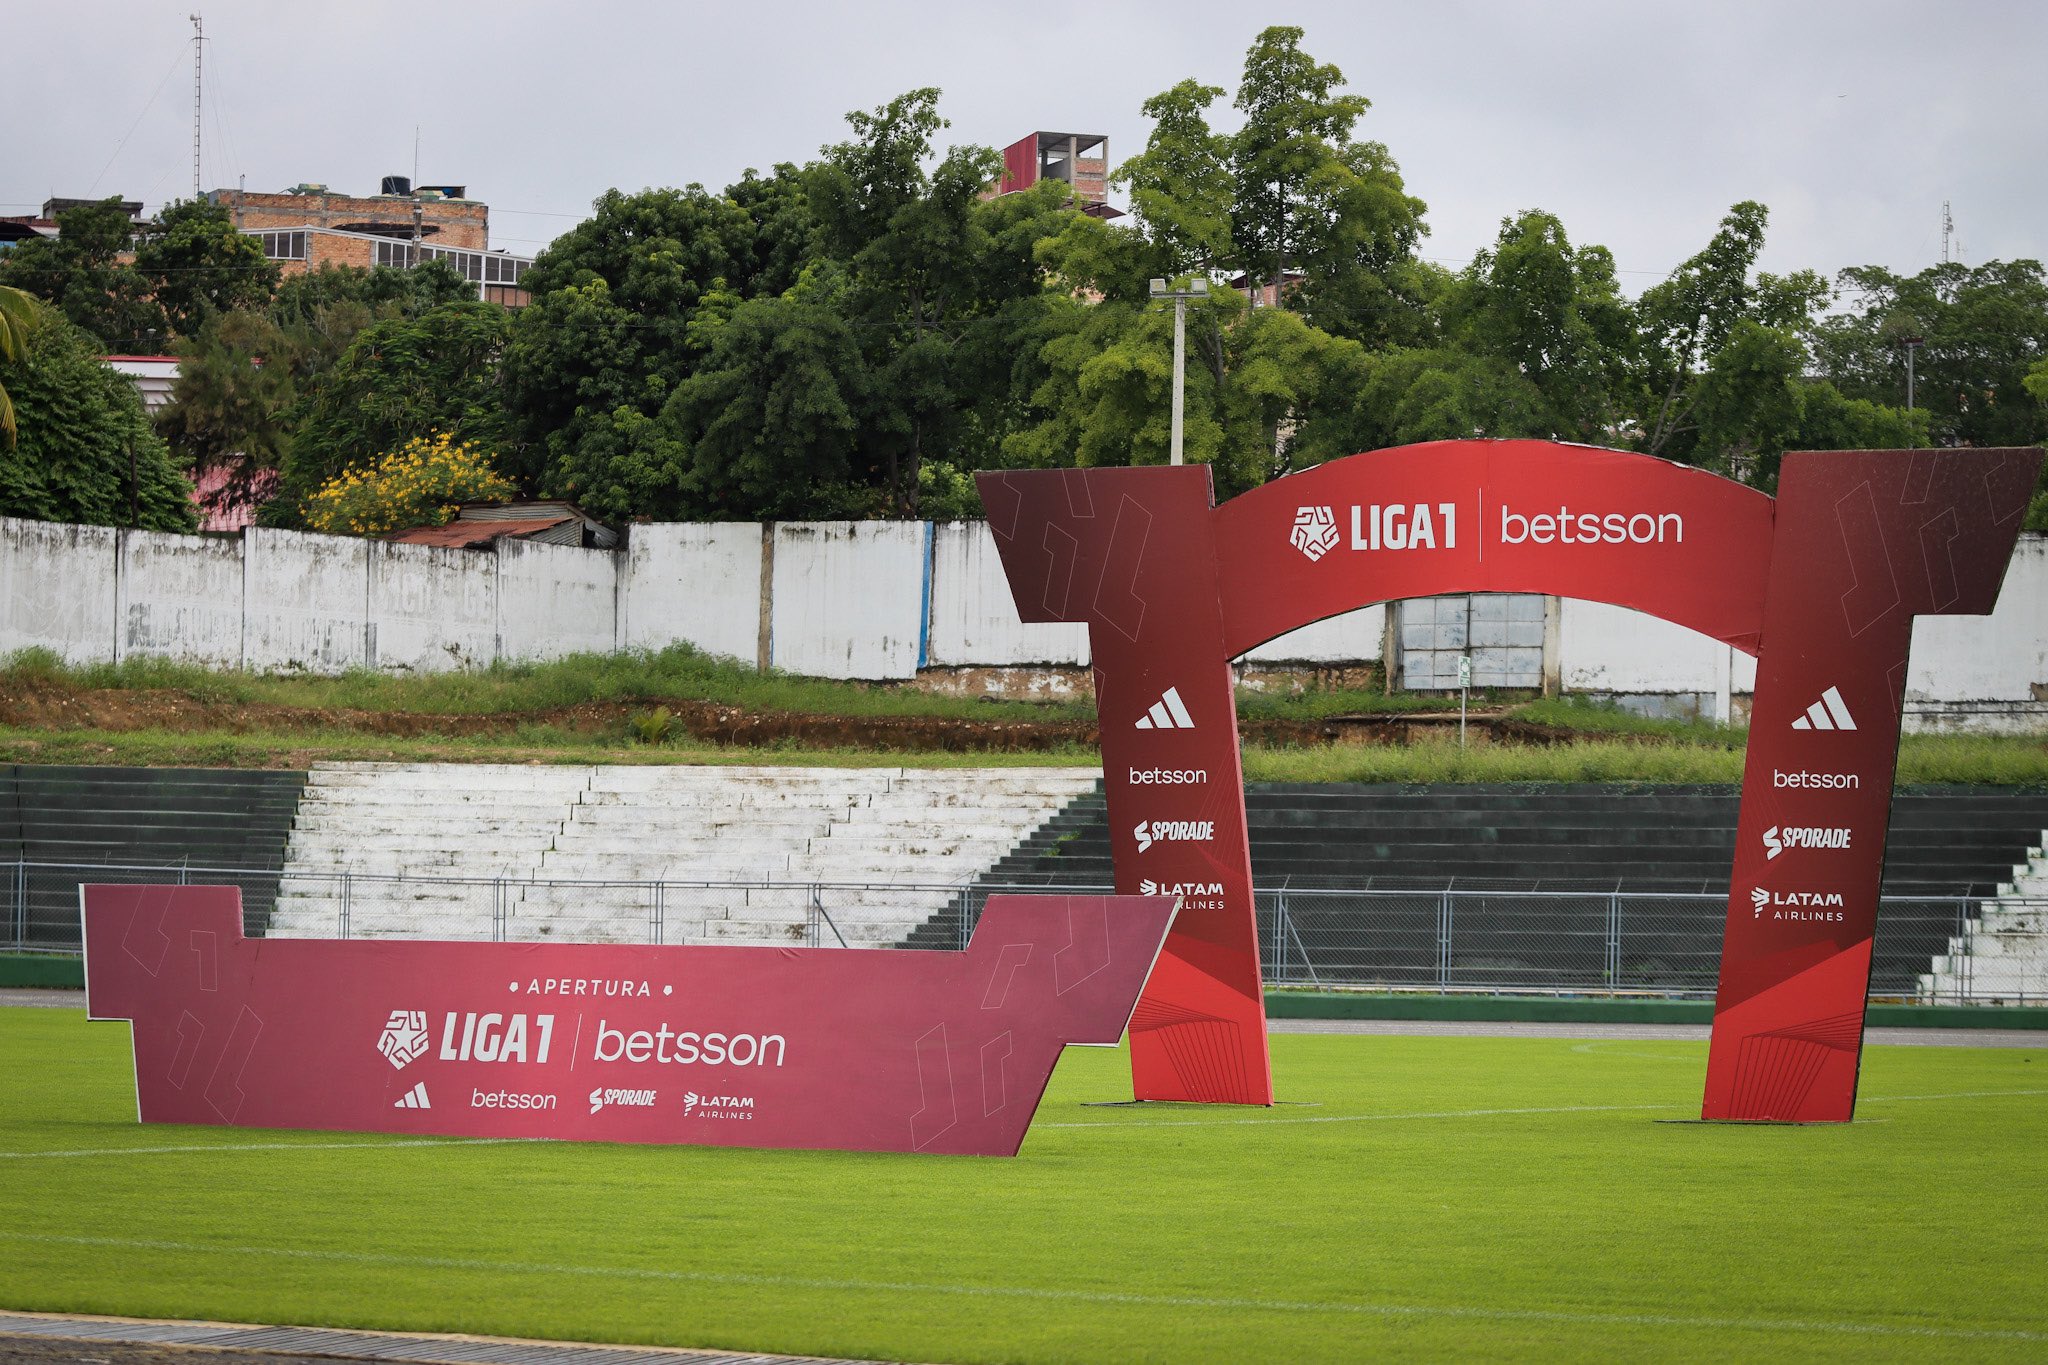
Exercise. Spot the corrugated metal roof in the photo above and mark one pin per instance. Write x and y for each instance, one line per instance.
(463, 534)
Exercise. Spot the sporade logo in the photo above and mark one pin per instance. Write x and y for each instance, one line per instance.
(1152, 832)
(1777, 839)
(605, 1096)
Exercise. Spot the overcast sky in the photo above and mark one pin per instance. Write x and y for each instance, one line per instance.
(1637, 123)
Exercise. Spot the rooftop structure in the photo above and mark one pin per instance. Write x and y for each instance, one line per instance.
(477, 524)
(1079, 159)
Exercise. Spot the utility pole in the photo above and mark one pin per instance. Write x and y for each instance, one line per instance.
(198, 38)
(1912, 344)
(1196, 289)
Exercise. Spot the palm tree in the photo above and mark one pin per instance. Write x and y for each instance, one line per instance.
(17, 317)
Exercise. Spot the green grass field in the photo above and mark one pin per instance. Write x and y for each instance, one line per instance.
(1419, 1196)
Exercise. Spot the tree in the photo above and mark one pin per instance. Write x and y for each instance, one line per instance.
(1686, 320)
(1311, 199)
(18, 317)
(423, 483)
(590, 363)
(81, 273)
(85, 451)
(914, 245)
(399, 379)
(1181, 183)
(1978, 330)
(231, 404)
(767, 427)
(1257, 383)
(198, 265)
(1553, 313)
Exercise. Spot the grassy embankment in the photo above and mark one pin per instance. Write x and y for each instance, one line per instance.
(643, 708)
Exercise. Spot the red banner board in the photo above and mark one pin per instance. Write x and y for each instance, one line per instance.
(1821, 584)
(883, 1050)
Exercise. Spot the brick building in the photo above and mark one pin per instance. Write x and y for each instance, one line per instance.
(1080, 159)
(309, 226)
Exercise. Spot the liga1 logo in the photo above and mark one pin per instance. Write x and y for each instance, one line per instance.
(1432, 526)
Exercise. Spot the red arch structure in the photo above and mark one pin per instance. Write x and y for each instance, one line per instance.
(1821, 584)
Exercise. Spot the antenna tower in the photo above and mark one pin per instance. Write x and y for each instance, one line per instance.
(1948, 230)
(198, 37)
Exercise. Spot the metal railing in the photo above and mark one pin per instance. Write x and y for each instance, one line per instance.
(1442, 941)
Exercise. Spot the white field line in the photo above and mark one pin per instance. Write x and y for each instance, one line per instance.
(265, 1147)
(1142, 1122)
(1466, 1312)
(1118, 1124)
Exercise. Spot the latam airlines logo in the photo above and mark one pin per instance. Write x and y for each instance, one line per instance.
(1168, 713)
(1777, 839)
(1148, 887)
(1823, 906)
(717, 1106)
(1152, 832)
(1314, 532)
(1829, 713)
(404, 1039)
(604, 1097)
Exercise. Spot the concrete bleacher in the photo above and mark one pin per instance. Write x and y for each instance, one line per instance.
(2001, 954)
(69, 825)
(1583, 839)
(643, 854)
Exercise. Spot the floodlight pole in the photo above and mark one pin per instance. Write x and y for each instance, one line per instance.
(1195, 289)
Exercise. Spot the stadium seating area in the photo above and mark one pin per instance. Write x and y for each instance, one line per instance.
(1673, 842)
(875, 857)
(640, 854)
(2002, 954)
(95, 824)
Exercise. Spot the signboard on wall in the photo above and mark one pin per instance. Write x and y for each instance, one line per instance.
(884, 1050)
(1821, 583)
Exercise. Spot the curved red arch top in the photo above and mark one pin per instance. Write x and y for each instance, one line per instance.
(1495, 516)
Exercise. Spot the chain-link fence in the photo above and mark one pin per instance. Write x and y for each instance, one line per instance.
(1451, 940)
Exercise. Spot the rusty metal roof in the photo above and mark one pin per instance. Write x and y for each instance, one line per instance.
(461, 535)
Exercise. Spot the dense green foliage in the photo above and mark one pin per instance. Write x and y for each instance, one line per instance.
(1411, 1198)
(853, 336)
(84, 450)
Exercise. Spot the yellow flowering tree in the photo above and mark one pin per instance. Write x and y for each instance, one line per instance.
(420, 484)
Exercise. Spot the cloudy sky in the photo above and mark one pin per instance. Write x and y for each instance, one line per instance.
(1637, 123)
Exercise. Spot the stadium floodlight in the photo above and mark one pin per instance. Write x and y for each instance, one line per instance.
(1197, 288)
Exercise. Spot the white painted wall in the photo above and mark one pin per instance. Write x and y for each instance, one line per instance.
(694, 583)
(974, 619)
(1603, 648)
(435, 609)
(849, 601)
(848, 598)
(308, 601)
(57, 590)
(555, 600)
(181, 598)
(1355, 637)
(2001, 657)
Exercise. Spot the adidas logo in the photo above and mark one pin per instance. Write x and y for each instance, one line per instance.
(1829, 713)
(415, 1098)
(1168, 713)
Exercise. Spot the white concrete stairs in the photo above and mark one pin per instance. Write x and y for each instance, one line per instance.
(646, 854)
(2002, 955)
